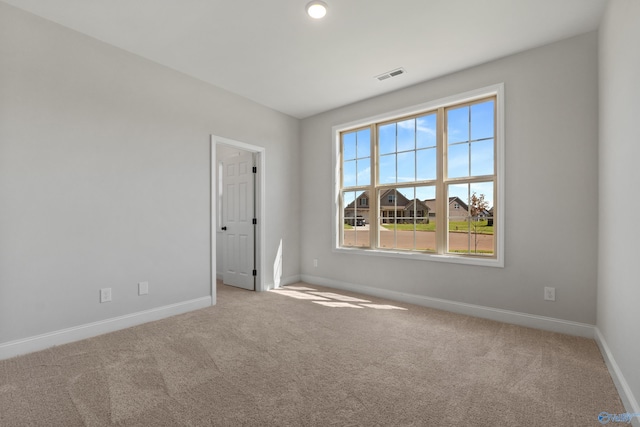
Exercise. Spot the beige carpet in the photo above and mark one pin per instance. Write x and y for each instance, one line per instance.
(276, 359)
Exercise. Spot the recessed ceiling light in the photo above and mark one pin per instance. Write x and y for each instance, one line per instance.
(317, 9)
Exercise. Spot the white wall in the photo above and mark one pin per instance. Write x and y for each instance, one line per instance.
(551, 189)
(105, 178)
(618, 283)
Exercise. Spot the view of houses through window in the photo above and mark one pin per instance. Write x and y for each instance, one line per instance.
(422, 183)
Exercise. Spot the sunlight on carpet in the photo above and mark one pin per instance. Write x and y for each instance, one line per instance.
(331, 299)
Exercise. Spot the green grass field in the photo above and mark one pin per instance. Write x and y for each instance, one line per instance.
(479, 227)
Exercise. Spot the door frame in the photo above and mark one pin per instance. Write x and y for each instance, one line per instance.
(260, 241)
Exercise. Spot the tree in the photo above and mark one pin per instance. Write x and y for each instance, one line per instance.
(477, 207)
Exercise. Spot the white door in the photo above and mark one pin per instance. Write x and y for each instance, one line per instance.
(238, 225)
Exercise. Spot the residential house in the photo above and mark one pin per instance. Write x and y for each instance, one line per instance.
(394, 208)
(458, 209)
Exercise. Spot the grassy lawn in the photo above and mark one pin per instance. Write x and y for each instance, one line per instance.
(348, 227)
(479, 227)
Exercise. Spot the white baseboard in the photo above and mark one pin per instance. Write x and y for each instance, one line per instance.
(626, 395)
(76, 333)
(284, 281)
(506, 316)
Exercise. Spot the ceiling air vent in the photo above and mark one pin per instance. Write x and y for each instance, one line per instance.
(393, 73)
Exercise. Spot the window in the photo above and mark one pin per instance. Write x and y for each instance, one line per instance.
(427, 181)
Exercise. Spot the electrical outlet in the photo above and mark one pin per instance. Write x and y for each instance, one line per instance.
(143, 288)
(105, 294)
(549, 294)
(315, 262)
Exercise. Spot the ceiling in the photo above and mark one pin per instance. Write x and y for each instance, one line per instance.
(271, 52)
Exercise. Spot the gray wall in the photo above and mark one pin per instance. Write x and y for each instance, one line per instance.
(105, 178)
(618, 283)
(551, 169)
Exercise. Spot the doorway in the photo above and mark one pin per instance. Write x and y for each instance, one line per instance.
(237, 213)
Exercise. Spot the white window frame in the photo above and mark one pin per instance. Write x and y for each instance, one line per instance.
(496, 90)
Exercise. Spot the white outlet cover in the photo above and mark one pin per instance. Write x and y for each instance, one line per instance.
(105, 294)
(143, 288)
(549, 294)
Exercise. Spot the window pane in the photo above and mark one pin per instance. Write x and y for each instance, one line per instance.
(407, 135)
(483, 189)
(407, 166)
(349, 173)
(387, 141)
(405, 226)
(481, 222)
(458, 198)
(354, 230)
(364, 143)
(348, 201)
(349, 146)
(426, 164)
(482, 120)
(458, 161)
(387, 169)
(387, 215)
(425, 216)
(364, 172)
(482, 157)
(426, 131)
(458, 125)
(426, 228)
(458, 218)
(406, 221)
(406, 195)
(471, 221)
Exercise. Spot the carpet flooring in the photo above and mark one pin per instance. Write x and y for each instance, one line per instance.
(311, 356)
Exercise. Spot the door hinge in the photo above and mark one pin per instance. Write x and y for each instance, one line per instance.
(255, 169)
(255, 221)
(255, 272)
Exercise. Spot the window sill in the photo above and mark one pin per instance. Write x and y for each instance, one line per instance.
(421, 256)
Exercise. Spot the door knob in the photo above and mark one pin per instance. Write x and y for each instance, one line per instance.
(224, 228)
